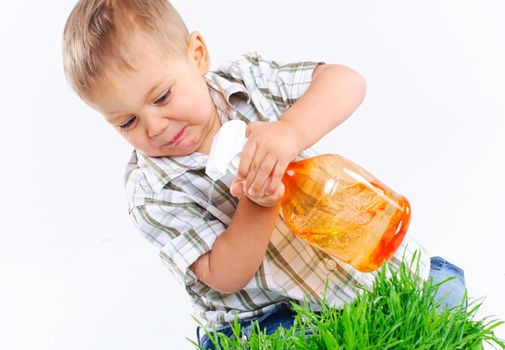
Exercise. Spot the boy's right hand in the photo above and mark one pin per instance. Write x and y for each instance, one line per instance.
(271, 200)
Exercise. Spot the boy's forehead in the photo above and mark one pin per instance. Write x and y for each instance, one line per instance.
(124, 86)
(143, 61)
(146, 66)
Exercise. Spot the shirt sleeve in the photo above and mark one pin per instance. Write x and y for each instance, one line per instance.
(272, 86)
(182, 230)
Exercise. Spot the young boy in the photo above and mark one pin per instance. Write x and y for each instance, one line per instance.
(136, 63)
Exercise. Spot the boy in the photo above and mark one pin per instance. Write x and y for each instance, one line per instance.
(136, 63)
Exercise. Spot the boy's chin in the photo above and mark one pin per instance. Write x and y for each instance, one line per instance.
(166, 153)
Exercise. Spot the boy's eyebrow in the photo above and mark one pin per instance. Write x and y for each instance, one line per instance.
(117, 115)
(113, 117)
(146, 96)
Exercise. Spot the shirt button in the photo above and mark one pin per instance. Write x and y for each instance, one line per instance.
(331, 264)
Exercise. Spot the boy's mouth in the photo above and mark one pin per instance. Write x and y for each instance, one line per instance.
(177, 137)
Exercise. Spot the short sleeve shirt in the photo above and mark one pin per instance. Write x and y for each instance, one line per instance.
(182, 212)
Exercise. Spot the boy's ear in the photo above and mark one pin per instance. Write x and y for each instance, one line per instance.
(197, 51)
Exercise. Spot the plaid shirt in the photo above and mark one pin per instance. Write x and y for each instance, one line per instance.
(178, 208)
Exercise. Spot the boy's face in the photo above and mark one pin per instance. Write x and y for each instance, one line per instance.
(163, 107)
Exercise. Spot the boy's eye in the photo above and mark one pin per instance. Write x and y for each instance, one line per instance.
(163, 97)
(128, 123)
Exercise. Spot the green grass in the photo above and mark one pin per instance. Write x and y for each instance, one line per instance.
(398, 312)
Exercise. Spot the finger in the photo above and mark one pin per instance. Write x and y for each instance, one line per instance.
(280, 190)
(254, 168)
(256, 160)
(277, 175)
(248, 129)
(251, 127)
(265, 188)
(246, 158)
(236, 188)
(260, 181)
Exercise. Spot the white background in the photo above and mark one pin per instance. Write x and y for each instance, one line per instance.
(75, 274)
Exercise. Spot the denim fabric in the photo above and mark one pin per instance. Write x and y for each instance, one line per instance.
(282, 315)
(449, 294)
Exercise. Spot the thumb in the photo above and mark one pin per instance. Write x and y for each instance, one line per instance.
(236, 189)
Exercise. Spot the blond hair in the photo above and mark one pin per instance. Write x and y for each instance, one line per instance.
(97, 33)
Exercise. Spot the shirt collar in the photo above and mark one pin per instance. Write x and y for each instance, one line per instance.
(160, 171)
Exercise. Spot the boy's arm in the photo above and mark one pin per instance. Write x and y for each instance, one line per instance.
(335, 93)
(239, 251)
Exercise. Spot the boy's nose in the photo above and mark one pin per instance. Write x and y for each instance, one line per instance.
(155, 125)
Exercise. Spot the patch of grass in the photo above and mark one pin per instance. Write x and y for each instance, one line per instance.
(399, 312)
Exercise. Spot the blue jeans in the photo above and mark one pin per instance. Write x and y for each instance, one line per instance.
(449, 294)
(282, 315)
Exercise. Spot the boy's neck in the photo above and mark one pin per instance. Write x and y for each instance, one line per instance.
(207, 144)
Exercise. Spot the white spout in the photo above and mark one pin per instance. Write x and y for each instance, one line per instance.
(225, 150)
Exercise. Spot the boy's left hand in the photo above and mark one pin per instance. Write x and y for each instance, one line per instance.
(270, 147)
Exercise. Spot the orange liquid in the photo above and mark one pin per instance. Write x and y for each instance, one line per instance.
(344, 211)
